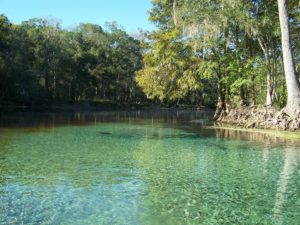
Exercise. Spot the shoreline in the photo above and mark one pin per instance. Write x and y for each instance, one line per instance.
(101, 106)
(89, 108)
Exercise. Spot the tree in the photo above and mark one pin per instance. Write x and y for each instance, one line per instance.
(293, 88)
(42, 63)
(171, 69)
(5, 35)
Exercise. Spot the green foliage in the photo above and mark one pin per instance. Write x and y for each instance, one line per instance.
(40, 62)
(204, 51)
(229, 46)
(170, 69)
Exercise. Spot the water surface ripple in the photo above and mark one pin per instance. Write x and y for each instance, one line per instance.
(143, 169)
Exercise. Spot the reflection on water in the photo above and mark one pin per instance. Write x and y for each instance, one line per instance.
(289, 168)
(265, 138)
(50, 119)
(143, 168)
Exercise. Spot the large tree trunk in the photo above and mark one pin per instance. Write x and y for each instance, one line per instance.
(221, 110)
(265, 49)
(269, 98)
(293, 88)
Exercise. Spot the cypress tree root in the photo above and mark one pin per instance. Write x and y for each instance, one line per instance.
(262, 117)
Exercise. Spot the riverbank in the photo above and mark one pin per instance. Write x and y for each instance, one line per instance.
(238, 124)
(260, 117)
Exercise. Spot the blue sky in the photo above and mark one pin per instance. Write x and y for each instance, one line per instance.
(131, 14)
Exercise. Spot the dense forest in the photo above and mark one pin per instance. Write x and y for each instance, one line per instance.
(42, 63)
(241, 51)
(220, 53)
(233, 47)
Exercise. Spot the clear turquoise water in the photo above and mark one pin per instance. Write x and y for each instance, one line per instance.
(144, 170)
